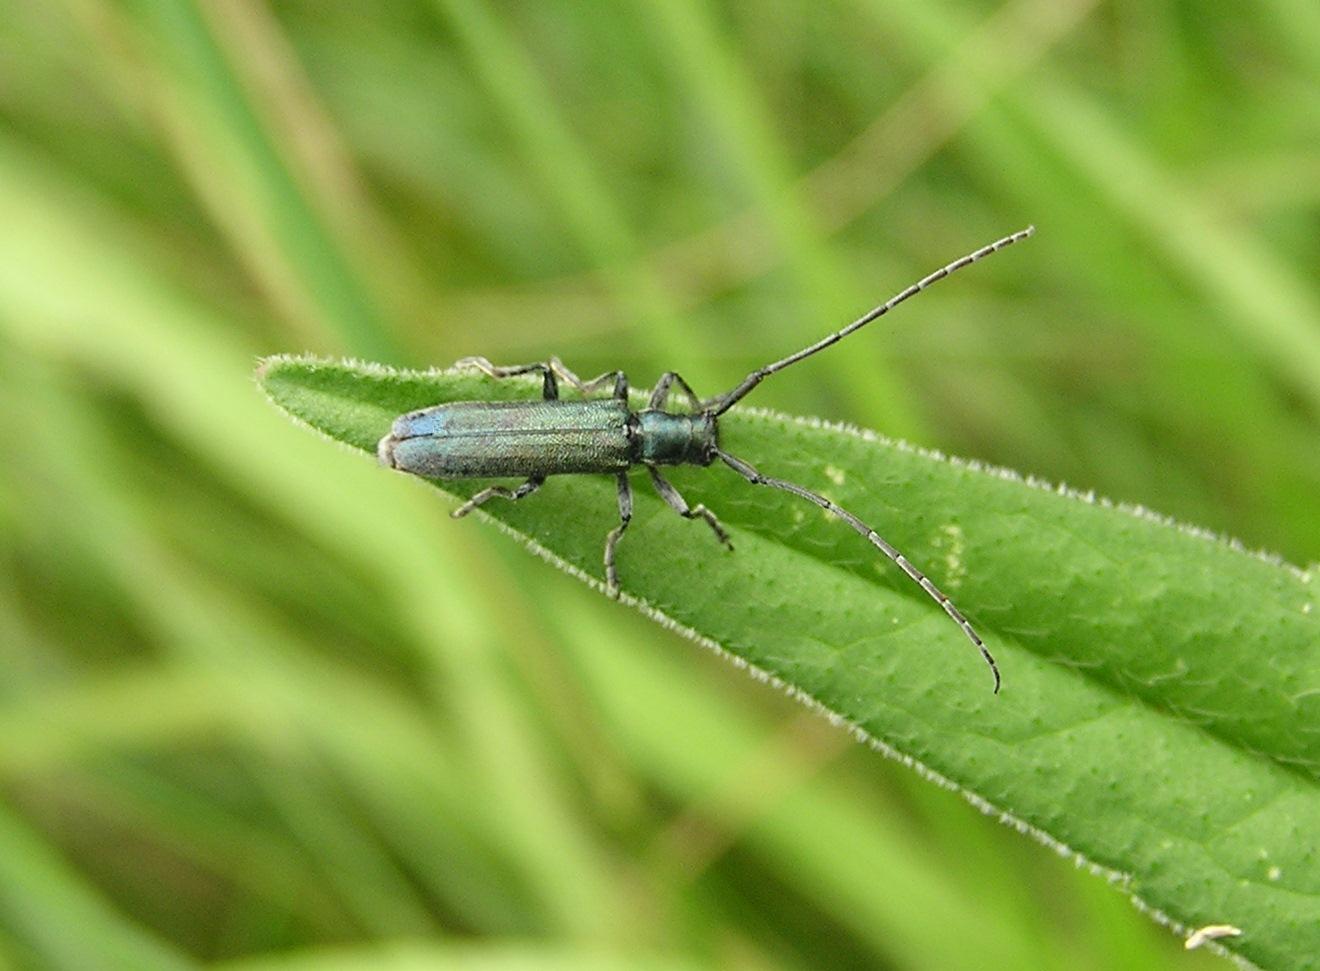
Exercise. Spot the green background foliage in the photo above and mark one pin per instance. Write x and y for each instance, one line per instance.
(266, 706)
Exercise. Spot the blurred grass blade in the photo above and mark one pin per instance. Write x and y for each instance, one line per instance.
(251, 186)
(1271, 305)
(555, 155)
(62, 918)
(738, 120)
(470, 957)
(1118, 633)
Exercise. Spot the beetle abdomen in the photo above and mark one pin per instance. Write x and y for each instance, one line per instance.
(492, 439)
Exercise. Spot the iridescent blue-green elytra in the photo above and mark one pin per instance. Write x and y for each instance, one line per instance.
(492, 439)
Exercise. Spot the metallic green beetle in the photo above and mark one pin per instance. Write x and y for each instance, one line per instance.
(536, 439)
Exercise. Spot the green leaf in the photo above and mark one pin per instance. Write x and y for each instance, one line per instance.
(1161, 686)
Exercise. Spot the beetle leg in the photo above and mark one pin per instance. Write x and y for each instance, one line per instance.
(618, 378)
(549, 386)
(612, 540)
(660, 396)
(550, 371)
(677, 503)
(513, 495)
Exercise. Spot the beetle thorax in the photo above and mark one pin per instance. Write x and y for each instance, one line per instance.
(662, 438)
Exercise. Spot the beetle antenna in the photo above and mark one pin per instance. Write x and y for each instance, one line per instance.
(719, 405)
(875, 539)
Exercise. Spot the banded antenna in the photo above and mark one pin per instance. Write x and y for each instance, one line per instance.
(719, 405)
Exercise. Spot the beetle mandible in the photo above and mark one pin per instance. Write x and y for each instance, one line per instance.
(536, 439)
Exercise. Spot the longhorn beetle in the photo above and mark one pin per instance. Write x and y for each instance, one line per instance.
(491, 439)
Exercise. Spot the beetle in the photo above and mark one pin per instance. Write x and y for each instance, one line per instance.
(536, 439)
